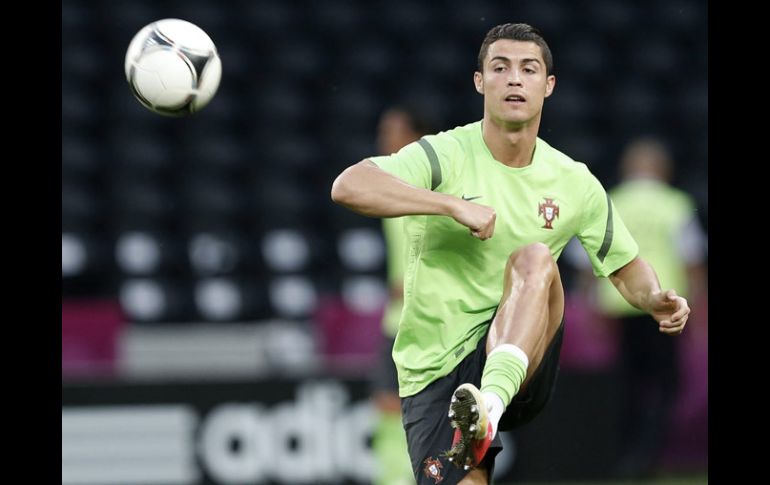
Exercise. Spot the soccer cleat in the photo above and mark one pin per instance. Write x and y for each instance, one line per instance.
(473, 431)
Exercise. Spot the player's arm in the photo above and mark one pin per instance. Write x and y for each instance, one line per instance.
(373, 192)
(368, 190)
(639, 285)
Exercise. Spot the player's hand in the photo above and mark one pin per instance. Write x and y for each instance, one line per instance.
(670, 310)
(480, 219)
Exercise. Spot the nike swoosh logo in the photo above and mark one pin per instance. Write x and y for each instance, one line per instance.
(471, 198)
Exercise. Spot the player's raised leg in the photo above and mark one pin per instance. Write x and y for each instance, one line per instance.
(527, 319)
(531, 308)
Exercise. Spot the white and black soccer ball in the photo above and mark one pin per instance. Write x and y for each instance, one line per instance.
(173, 67)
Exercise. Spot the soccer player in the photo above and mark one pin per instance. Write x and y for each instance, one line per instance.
(490, 206)
(398, 126)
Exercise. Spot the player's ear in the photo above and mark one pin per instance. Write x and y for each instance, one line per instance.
(550, 83)
(478, 80)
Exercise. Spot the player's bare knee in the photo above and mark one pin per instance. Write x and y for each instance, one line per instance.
(533, 262)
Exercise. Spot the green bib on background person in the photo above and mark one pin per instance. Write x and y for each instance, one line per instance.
(655, 214)
(395, 240)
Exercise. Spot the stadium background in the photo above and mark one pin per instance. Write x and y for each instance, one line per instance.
(211, 289)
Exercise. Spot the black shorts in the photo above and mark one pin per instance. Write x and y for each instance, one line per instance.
(428, 432)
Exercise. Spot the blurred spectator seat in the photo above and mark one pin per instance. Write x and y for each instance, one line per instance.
(156, 300)
(142, 203)
(586, 56)
(216, 253)
(78, 105)
(611, 17)
(80, 156)
(80, 207)
(293, 296)
(283, 104)
(681, 17)
(286, 250)
(361, 249)
(656, 56)
(405, 19)
(217, 153)
(82, 253)
(441, 57)
(336, 19)
(473, 19)
(142, 150)
(636, 106)
(207, 199)
(299, 56)
(224, 299)
(551, 18)
(145, 253)
(266, 18)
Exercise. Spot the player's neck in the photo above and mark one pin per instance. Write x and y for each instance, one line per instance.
(511, 146)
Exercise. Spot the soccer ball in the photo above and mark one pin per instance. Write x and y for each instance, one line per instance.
(173, 67)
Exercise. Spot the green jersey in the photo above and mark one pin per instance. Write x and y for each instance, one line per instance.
(453, 282)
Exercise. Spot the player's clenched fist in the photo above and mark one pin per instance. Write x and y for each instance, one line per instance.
(480, 219)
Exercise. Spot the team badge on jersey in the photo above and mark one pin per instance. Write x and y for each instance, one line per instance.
(433, 469)
(549, 211)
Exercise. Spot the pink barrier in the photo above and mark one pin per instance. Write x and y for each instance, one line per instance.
(89, 335)
(347, 337)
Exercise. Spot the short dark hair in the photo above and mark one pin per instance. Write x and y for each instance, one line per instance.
(521, 32)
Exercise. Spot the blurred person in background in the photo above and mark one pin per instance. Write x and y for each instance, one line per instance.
(663, 221)
(484, 311)
(398, 127)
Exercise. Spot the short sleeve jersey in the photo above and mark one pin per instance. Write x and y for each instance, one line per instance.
(453, 282)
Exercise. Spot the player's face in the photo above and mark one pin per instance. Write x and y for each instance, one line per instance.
(514, 82)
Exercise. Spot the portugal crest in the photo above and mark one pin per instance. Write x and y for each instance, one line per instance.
(433, 469)
(549, 211)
